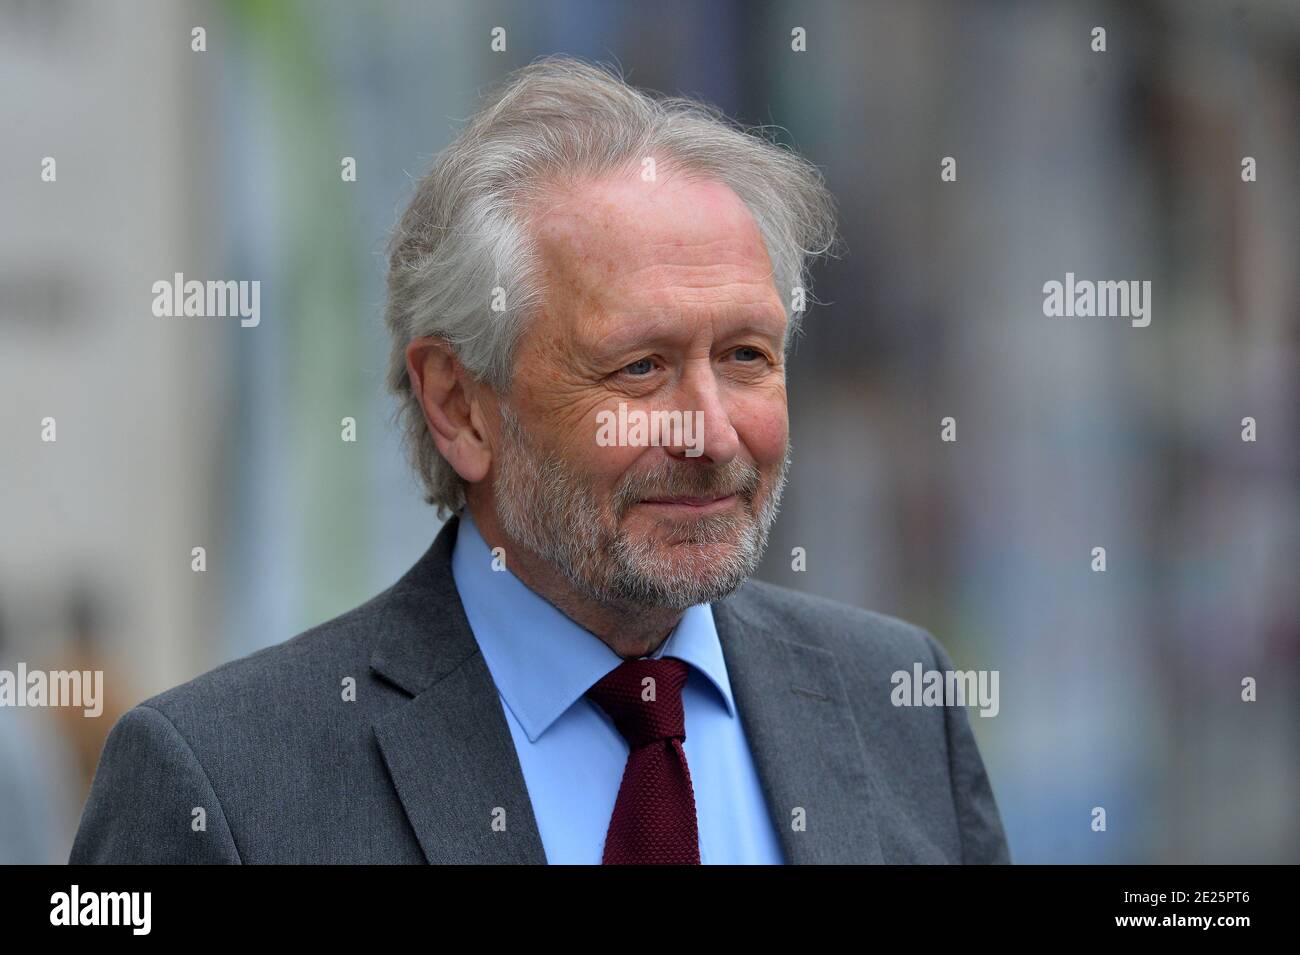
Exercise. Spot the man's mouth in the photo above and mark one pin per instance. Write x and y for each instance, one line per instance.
(692, 505)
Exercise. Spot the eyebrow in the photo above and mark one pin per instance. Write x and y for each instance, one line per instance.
(646, 328)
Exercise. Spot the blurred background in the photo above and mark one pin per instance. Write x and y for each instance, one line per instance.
(1119, 689)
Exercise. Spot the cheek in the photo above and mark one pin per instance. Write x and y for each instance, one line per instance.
(564, 413)
(609, 465)
(602, 466)
(763, 427)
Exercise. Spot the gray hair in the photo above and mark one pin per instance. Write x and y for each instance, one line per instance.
(554, 123)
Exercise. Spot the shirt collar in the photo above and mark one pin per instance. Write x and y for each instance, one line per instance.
(541, 661)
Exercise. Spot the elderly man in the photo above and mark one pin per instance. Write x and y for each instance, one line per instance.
(578, 669)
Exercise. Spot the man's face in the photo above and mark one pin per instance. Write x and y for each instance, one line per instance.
(660, 298)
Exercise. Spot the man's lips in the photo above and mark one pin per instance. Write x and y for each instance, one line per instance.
(693, 505)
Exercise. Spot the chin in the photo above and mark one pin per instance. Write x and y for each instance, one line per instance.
(684, 543)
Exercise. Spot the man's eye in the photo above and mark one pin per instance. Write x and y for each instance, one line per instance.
(642, 366)
(746, 354)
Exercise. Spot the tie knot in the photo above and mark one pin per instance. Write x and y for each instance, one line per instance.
(644, 699)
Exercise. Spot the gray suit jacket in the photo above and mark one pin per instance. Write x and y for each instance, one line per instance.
(285, 769)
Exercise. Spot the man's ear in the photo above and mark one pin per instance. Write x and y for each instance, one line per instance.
(449, 398)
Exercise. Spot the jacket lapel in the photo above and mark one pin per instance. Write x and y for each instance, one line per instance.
(449, 749)
(806, 746)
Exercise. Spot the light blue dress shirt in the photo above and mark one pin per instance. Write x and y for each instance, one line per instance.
(571, 754)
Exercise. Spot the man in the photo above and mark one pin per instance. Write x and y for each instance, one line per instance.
(578, 669)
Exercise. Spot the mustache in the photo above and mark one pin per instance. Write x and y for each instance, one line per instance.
(670, 479)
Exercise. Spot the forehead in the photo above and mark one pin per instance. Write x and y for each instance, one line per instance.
(621, 243)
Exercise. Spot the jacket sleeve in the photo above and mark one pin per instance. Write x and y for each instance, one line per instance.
(143, 801)
(983, 841)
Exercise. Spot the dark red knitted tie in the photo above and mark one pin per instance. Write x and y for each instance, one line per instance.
(654, 815)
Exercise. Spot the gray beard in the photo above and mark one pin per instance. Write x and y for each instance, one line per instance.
(551, 510)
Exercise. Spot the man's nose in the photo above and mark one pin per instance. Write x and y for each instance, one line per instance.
(707, 433)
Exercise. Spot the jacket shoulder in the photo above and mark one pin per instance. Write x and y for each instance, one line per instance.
(837, 627)
(315, 659)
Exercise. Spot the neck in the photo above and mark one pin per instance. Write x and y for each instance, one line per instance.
(630, 631)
